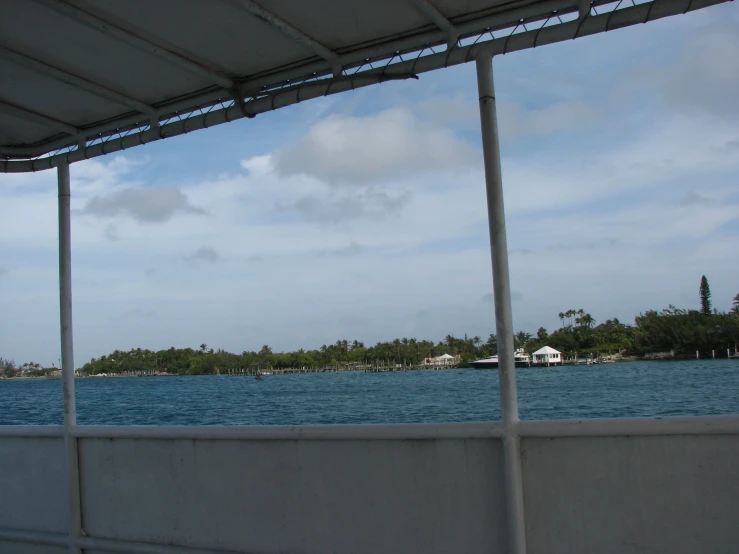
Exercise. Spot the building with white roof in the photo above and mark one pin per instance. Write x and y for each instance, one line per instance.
(546, 355)
(445, 360)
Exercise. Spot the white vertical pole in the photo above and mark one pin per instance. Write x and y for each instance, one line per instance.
(65, 315)
(503, 313)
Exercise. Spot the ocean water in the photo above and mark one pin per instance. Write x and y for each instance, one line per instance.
(638, 389)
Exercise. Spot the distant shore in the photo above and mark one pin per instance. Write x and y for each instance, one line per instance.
(274, 372)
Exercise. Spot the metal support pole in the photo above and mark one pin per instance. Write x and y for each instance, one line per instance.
(65, 315)
(503, 313)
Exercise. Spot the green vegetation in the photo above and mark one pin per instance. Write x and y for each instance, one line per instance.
(680, 331)
(187, 361)
(672, 329)
(705, 294)
(8, 369)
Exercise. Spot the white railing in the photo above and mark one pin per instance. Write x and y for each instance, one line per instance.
(631, 485)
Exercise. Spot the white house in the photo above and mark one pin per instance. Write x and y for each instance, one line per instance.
(547, 356)
(444, 360)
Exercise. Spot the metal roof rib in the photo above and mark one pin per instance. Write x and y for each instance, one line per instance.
(130, 38)
(294, 64)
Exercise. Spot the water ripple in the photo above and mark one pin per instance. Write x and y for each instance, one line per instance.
(639, 389)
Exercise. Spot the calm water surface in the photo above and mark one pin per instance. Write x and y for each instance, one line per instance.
(638, 389)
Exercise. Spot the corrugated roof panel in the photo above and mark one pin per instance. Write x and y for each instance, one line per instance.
(455, 8)
(340, 25)
(155, 69)
(216, 34)
(29, 90)
(31, 29)
(19, 131)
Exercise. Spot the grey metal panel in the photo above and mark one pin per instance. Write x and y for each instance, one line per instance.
(352, 22)
(18, 131)
(455, 8)
(27, 89)
(297, 496)
(669, 495)
(33, 484)
(181, 56)
(31, 29)
(215, 32)
(7, 547)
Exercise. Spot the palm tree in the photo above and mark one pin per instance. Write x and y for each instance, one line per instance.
(203, 347)
(521, 338)
(569, 314)
(587, 320)
(492, 344)
(562, 318)
(414, 346)
(735, 303)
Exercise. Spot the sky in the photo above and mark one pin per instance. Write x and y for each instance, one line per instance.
(363, 215)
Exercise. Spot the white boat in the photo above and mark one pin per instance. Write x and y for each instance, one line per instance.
(522, 359)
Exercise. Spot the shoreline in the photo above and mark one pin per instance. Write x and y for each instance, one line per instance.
(629, 359)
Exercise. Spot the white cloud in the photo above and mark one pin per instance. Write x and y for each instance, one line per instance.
(258, 165)
(705, 74)
(691, 198)
(334, 207)
(515, 121)
(676, 148)
(205, 254)
(148, 205)
(352, 249)
(359, 150)
(111, 233)
(458, 110)
(623, 215)
(102, 174)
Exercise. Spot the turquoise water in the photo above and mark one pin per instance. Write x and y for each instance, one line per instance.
(638, 389)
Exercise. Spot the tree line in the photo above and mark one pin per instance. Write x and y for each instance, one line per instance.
(681, 331)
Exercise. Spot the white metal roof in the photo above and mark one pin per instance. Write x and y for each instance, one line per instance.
(82, 78)
(547, 350)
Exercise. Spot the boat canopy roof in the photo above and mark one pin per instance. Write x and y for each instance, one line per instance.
(83, 78)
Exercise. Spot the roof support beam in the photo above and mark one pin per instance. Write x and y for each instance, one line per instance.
(62, 76)
(129, 37)
(288, 30)
(440, 20)
(39, 119)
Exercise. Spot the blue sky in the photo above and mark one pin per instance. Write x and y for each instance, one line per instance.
(363, 215)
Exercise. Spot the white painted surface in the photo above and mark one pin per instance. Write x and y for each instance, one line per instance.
(632, 495)
(297, 496)
(516, 531)
(396, 489)
(33, 484)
